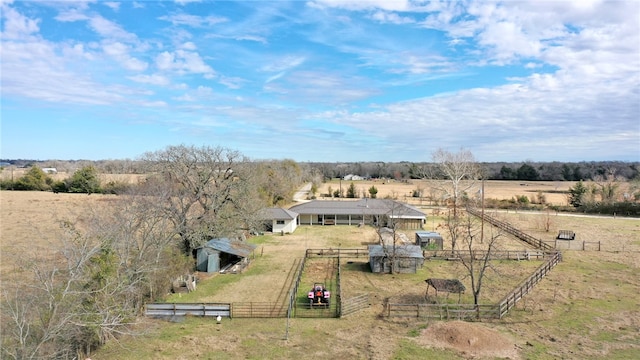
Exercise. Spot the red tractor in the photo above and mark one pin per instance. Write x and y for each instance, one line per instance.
(319, 296)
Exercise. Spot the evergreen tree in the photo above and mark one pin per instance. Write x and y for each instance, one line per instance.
(84, 180)
(577, 194)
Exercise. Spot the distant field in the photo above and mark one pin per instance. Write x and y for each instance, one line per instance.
(494, 189)
(553, 191)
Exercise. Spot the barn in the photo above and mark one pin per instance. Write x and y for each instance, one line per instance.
(409, 258)
(223, 255)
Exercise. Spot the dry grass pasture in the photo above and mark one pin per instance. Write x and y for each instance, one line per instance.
(494, 189)
(586, 308)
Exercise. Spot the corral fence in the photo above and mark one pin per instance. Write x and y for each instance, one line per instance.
(336, 253)
(509, 301)
(354, 304)
(578, 245)
(472, 311)
(441, 311)
(537, 243)
(481, 254)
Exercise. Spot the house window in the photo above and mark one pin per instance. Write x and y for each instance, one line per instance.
(280, 222)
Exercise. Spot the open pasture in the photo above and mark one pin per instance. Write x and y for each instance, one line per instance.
(553, 192)
(585, 308)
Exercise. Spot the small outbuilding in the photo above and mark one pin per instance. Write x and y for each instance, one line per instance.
(223, 255)
(445, 285)
(279, 220)
(408, 259)
(429, 240)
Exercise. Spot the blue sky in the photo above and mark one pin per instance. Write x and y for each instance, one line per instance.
(322, 80)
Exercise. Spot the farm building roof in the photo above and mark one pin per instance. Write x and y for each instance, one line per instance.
(366, 206)
(230, 246)
(428, 234)
(276, 213)
(446, 285)
(405, 251)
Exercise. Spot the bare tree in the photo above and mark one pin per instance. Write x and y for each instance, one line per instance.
(206, 192)
(453, 175)
(476, 258)
(43, 316)
(607, 185)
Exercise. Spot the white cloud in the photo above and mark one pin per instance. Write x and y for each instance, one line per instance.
(283, 64)
(154, 79)
(189, 46)
(16, 25)
(185, 2)
(182, 62)
(109, 29)
(120, 52)
(115, 6)
(390, 5)
(389, 17)
(193, 20)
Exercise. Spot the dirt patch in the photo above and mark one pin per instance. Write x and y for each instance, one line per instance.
(471, 340)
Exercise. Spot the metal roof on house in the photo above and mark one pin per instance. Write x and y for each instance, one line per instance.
(405, 251)
(229, 246)
(276, 213)
(391, 208)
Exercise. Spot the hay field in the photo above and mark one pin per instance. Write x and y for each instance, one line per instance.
(494, 189)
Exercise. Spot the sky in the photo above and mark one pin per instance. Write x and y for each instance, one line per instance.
(322, 80)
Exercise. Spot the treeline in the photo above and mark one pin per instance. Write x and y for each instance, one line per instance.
(526, 171)
(275, 181)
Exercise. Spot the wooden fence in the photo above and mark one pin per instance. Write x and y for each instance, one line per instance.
(442, 311)
(337, 253)
(480, 254)
(537, 243)
(509, 301)
(471, 311)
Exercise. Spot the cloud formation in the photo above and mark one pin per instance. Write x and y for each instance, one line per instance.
(327, 80)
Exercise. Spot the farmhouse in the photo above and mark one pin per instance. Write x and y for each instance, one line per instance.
(408, 258)
(377, 212)
(222, 254)
(279, 220)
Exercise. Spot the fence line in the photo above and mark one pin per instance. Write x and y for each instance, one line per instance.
(351, 305)
(537, 243)
(183, 309)
(509, 301)
(442, 311)
(471, 311)
(257, 310)
(337, 253)
(480, 254)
